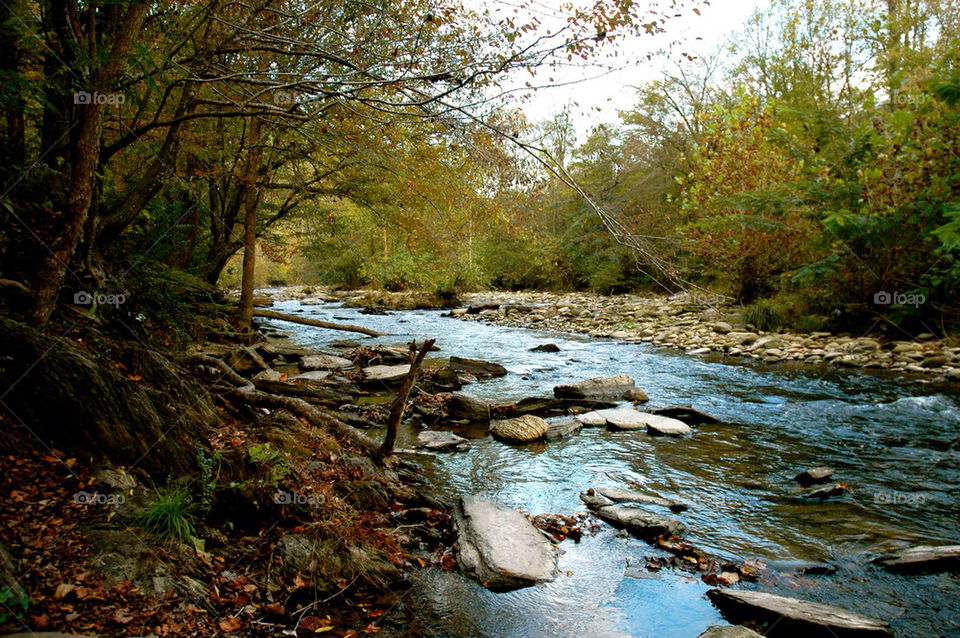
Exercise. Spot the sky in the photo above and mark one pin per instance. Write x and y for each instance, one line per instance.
(598, 100)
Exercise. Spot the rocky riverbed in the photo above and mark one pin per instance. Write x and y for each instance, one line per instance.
(679, 321)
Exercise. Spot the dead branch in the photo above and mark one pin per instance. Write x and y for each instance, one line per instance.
(400, 403)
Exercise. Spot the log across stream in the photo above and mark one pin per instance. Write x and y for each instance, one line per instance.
(893, 442)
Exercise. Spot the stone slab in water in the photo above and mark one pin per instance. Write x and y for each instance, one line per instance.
(729, 631)
(386, 374)
(325, 362)
(619, 495)
(476, 367)
(629, 419)
(562, 428)
(922, 559)
(499, 547)
(598, 387)
(441, 441)
(795, 617)
(523, 429)
(640, 522)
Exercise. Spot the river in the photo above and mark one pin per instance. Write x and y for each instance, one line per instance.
(893, 441)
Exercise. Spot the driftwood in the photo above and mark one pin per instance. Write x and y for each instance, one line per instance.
(247, 391)
(400, 403)
(270, 314)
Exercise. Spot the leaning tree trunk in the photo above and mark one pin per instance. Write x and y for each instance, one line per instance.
(251, 200)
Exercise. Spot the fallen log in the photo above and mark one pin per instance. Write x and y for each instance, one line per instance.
(246, 391)
(270, 314)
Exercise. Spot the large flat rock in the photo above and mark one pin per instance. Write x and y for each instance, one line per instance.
(788, 616)
(464, 406)
(325, 362)
(441, 441)
(480, 369)
(499, 547)
(922, 559)
(628, 419)
(640, 522)
(599, 388)
(386, 374)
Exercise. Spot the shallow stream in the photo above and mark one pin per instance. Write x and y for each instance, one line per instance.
(893, 441)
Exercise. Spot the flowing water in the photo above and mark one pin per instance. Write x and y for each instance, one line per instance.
(893, 441)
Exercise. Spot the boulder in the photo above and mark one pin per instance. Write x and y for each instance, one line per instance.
(619, 495)
(814, 475)
(313, 375)
(325, 362)
(268, 375)
(479, 369)
(687, 414)
(922, 559)
(499, 547)
(729, 631)
(546, 347)
(593, 500)
(788, 616)
(386, 374)
(245, 361)
(826, 492)
(639, 522)
(599, 387)
(523, 429)
(442, 441)
(624, 419)
(464, 406)
(560, 429)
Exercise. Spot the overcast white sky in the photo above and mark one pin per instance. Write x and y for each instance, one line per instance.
(613, 92)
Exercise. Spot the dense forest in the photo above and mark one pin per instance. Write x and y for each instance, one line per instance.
(254, 255)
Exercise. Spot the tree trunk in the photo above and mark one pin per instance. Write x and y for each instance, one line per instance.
(84, 162)
(251, 201)
(316, 322)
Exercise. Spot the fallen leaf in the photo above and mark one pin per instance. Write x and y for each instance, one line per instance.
(63, 589)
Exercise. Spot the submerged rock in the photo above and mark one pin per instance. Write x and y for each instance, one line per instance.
(794, 617)
(922, 559)
(562, 428)
(546, 347)
(477, 368)
(442, 441)
(639, 522)
(619, 495)
(826, 492)
(523, 429)
(687, 414)
(499, 548)
(814, 475)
